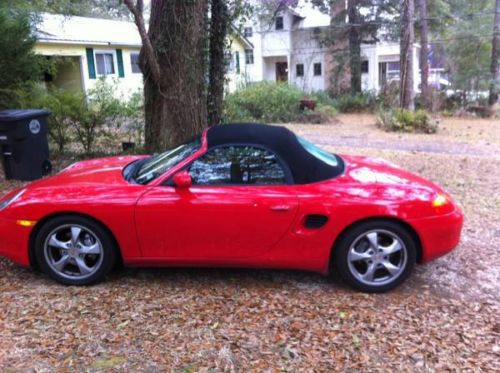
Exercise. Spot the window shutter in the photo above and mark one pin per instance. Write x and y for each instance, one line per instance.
(237, 56)
(90, 62)
(119, 60)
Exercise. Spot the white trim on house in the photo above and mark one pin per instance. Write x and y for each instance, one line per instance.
(115, 62)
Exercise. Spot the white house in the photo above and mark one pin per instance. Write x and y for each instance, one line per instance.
(289, 49)
(380, 64)
(285, 50)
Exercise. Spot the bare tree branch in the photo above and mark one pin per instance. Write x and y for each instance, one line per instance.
(149, 53)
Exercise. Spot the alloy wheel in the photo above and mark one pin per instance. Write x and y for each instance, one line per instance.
(73, 251)
(377, 257)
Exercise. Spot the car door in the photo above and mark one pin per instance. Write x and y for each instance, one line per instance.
(240, 204)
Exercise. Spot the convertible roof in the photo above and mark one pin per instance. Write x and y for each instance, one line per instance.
(304, 167)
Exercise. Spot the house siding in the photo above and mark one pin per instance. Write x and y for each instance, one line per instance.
(126, 85)
(237, 77)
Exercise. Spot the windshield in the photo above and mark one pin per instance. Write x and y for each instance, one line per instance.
(158, 164)
(322, 155)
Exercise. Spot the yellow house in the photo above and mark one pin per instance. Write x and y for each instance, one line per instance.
(240, 58)
(93, 48)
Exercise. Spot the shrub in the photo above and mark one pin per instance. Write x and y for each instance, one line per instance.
(101, 108)
(133, 117)
(401, 120)
(360, 102)
(273, 102)
(265, 101)
(65, 107)
(322, 114)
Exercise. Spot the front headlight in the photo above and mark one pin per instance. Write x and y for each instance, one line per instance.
(7, 202)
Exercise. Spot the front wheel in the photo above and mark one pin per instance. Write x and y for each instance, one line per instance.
(75, 250)
(375, 256)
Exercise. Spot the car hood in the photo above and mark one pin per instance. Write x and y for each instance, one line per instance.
(382, 172)
(107, 171)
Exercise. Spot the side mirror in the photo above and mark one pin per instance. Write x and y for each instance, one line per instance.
(182, 179)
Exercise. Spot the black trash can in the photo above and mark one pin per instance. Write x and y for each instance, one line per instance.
(23, 144)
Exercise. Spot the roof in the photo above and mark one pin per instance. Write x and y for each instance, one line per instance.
(56, 28)
(305, 167)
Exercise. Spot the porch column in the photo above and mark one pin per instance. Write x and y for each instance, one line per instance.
(289, 65)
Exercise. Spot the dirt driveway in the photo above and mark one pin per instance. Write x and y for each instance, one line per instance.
(446, 317)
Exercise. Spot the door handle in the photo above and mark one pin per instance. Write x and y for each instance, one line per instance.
(281, 208)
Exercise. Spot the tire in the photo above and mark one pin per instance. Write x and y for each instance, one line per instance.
(74, 250)
(375, 256)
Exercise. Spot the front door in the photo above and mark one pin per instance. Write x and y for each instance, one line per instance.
(281, 71)
(239, 206)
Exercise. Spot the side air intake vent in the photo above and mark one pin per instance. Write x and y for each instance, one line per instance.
(315, 221)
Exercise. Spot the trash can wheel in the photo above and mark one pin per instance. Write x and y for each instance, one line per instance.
(46, 167)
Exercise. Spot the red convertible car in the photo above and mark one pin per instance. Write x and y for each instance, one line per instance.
(241, 195)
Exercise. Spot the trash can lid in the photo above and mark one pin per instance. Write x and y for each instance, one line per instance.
(20, 114)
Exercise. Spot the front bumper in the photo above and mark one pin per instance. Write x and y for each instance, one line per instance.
(14, 241)
(439, 234)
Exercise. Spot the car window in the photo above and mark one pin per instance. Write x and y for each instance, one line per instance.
(247, 165)
(159, 164)
(322, 155)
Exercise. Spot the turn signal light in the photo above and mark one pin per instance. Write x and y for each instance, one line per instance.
(439, 201)
(26, 223)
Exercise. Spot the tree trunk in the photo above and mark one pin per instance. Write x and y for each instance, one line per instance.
(495, 59)
(176, 104)
(354, 47)
(217, 65)
(407, 95)
(424, 54)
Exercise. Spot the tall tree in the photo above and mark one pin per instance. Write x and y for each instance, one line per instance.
(18, 62)
(219, 23)
(356, 22)
(495, 59)
(424, 53)
(173, 64)
(468, 46)
(407, 95)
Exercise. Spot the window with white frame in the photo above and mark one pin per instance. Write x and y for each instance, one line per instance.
(248, 32)
(228, 56)
(393, 70)
(299, 70)
(279, 23)
(318, 70)
(105, 63)
(134, 62)
(249, 56)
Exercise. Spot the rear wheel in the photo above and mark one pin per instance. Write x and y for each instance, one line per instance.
(375, 256)
(75, 250)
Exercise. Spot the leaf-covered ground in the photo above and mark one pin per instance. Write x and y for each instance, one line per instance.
(446, 317)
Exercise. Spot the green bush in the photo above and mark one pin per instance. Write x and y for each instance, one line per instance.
(361, 102)
(101, 108)
(86, 120)
(322, 114)
(65, 107)
(272, 102)
(401, 120)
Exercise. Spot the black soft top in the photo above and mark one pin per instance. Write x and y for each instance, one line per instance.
(304, 166)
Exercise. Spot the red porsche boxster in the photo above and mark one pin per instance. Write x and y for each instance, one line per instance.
(240, 195)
